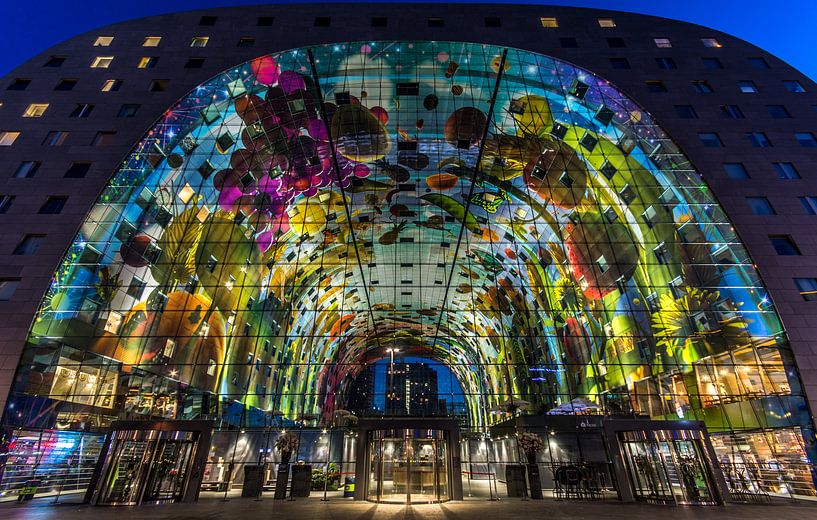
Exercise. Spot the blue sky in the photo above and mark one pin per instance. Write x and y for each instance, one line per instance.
(785, 29)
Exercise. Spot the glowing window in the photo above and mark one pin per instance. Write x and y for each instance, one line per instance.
(549, 22)
(199, 41)
(711, 42)
(102, 62)
(663, 43)
(103, 41)
(606, 22)
(35, 110)
(111, 85)
(151, 41)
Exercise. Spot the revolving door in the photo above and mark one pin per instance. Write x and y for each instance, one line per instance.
(408, 466)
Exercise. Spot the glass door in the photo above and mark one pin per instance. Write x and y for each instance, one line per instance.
(168, 471)
(693, 478)
(648, 473)
(128, 462)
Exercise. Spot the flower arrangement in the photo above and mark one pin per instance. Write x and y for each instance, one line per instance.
(529, 442)
(287, 442)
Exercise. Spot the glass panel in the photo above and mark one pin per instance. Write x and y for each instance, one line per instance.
(127, 462)
(169, 470)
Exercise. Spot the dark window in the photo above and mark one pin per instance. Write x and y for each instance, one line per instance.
(793, 86)
(619, 63)
(436, 22)
(735, 170)
(666, 63)
(656, 86)
(778, 111)
(807, 288)
(747, 86)
(27, 169)
(7, 288)
(5, 203)
(246, 41)
(265, 21)
(103, 138)
(702, 86)
(29, 245)
(136, 287)
(758, 63)
(786, 170)
(55, 137)
(53, 205)
(732, 112)
(809, 204)
(54, 61)
(614, 42)
(208, 21)
(806, 139)
(82, 110)
(148, 62)
(568, 42)
(77, 170)
(710, 139)
(686, 112)
(159, 85)
(784, 245)
(19, 84)
(759, 139)
(493, 21)
(128, 110)
(712, 63)
(66, 84)
(380, 21)
(760, 206)
(322, 21)
(194, 63)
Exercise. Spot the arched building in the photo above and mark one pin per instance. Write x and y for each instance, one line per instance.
(408, 242)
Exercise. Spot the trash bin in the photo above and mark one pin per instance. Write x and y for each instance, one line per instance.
(28, 491)
(349, 487)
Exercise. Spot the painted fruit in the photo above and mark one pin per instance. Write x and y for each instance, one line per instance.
(442, 181)
(601, 253)
(307, 218)
(135, 252)
(359, 135)
(532, 115)
(558, 175)
(578, 347)
(464, 127)
(505, 156)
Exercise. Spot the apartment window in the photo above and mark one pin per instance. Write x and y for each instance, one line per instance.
(662, 43)
(29, 245)
(568, 42)
(265, 21)
(784, 245)
(147, 62)
(712, 63)
(208, 21)
(7, 288)
(436, 22)
(778, 112)
(128, 110)
(82, 110)
(19, 84)
(549, 22)
(7, 138)
(760, 206)
(194, 63)
(702, 86)
(103, 139)
(711, 43)
(747, 87)
(77, 170)
(199, 41)
(35, 110)
(656, 86)
(732, 112)
(806, 139)
(66, 84)
(686, 112)
(759, 139)
(246, 41)
(758, 63)
(27, 169)
(606, 22)
(493, 21)
(735, 171)
(666, 63)
(54, 61)
(322, 21)
(5, 202)
(793, 86)
(786, 170)
(151, 41)
(619, 63)
(809, 204)
(103, 41)
(710, 139)
(159, 85)
(53, 205)
(807, 288)
(111, 85)
(55, 137)
(101, 62)
(614, 42)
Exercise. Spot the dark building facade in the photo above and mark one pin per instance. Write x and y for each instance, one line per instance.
(231, 215)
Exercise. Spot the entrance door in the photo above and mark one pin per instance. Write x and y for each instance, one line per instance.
(407, 466)
(168, 471)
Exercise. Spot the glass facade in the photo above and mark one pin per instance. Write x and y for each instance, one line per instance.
(515, 221)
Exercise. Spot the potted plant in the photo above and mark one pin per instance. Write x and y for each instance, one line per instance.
(286, 443)
(531, 443)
